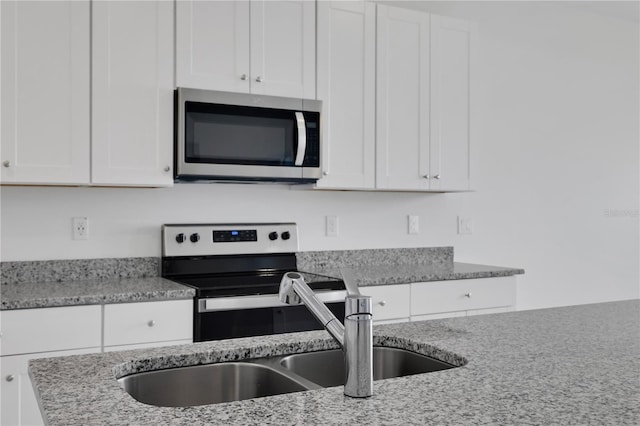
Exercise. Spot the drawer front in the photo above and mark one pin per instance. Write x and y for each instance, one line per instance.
(132, 323)
(389, 301)
(462, 295)
(27, 331)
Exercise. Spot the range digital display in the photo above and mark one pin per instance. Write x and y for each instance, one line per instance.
(235, 236)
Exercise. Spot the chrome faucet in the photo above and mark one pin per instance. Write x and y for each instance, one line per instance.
(355, 337)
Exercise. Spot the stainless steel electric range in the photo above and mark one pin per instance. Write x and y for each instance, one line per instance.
(236, 271)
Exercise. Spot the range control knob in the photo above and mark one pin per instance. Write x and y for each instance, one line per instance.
(195, 237)
(273, 236)
(285, 235)
(180, 238)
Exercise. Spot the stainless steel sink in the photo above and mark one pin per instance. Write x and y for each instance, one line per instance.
(326, 368)
(208, 384)
(254, 378)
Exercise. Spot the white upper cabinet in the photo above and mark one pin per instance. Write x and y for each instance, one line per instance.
(402, 134)
(259, 46)
(45, 92)
(346, 85)
(452, 50)
(132, 93)
(422, 95)
(212, 45)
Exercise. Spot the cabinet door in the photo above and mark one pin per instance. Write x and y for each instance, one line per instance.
(346, 86)
(132, 116)
(402, 116)
(452, 47)
(212, 45)
(18, 403)
(389, 301)
(283, 48)
(45, 92)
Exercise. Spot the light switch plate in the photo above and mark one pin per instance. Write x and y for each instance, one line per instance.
(331, 223)
(413, 223)
(465, 225)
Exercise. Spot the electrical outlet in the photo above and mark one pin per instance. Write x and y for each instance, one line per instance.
(80, 228)
(465, 225)
(331, 226)
(413, 222)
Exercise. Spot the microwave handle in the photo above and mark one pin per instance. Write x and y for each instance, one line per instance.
(302, 138)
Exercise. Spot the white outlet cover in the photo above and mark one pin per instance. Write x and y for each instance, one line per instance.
(80, 228)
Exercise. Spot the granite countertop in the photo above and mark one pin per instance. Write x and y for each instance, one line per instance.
(572, 365)
(90, 292)
(373, 275)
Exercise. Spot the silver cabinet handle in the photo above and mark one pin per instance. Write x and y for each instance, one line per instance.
(468, 295)
(151, 323)
(436, 177)
(259, 79)
(426, 176)
(382, 302)
(325, 173)
(167, 169)
(9, 378)
(243, 77)
(6, 163)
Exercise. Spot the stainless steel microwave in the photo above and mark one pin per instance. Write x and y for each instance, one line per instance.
(243, 137)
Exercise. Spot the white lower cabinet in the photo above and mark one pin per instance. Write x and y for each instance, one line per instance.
(469, 297)
(73, 330)
(18, 403)
(441, 299)
(40, 333)
(148, 322)
(390, 303)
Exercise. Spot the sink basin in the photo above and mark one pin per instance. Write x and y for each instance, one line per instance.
(208, 384)
(258, 377)
(326, 368)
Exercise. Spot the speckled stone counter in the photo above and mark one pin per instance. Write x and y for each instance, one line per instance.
(90, 292)
(396, 266)
(571, 366)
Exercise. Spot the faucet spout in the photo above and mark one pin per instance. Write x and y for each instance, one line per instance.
(355, 337)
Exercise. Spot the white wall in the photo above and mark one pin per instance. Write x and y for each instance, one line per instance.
(555, 168)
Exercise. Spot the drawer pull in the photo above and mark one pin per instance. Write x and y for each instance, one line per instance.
(382, 302)
(468, 295)
(151, 323)
(9, 378)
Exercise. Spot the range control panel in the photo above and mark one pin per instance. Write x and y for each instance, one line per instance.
(221, 239)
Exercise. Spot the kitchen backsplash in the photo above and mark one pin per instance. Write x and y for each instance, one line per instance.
(78, 269)
(436, 256)
(142, 267)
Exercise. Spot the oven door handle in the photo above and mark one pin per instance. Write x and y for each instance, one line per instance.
(302, 138)
(253, 302)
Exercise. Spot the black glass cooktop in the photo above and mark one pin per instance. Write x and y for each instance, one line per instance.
(251, 284)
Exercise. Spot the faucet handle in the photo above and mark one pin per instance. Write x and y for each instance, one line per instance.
(357, 304)
(287, 293)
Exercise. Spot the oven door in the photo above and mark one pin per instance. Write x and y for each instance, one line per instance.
(231, 317)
